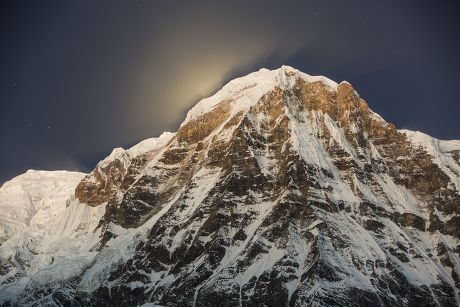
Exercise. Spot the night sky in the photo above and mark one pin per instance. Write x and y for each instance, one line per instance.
(80, 78)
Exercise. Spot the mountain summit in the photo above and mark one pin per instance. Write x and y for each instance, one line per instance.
(282, 189)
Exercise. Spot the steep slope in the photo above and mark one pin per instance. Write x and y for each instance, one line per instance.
(281, 189)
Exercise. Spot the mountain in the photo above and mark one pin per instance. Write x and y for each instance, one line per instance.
(282, 189)
(30, 201)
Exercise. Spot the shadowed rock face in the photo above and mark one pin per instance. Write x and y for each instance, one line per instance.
(304, 197)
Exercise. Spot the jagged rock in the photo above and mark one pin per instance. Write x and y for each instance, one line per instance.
(282, 189)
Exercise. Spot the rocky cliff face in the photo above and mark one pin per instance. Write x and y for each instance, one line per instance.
(281, 189)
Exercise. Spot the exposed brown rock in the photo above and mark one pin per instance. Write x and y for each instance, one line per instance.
(102, 184)
(267, 198)
(199, 128)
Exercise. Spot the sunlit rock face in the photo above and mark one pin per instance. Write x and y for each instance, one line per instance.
(282, 189)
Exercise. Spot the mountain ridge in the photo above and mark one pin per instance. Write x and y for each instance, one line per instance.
(281, 189)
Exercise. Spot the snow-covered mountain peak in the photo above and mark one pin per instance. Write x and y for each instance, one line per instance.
(124, 156)
(33, 192)
(245, 91)
(282, 189)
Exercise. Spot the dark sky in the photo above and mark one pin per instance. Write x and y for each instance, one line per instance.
(78, 78)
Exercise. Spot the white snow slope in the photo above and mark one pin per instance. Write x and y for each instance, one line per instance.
(47, 235)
